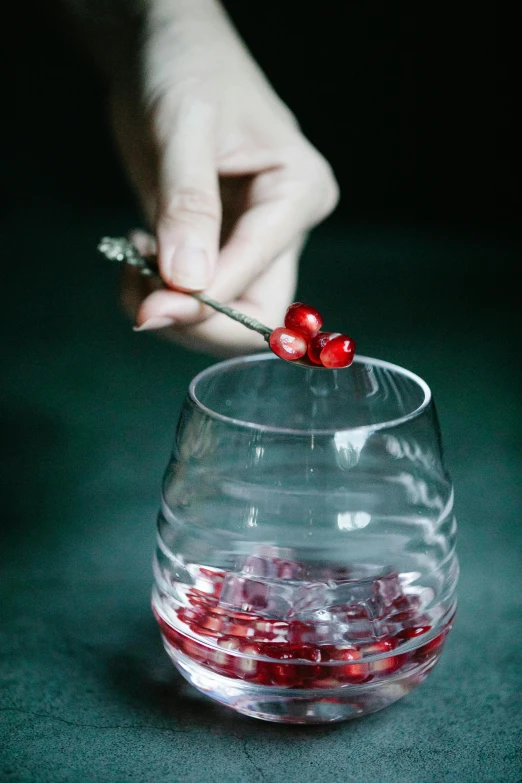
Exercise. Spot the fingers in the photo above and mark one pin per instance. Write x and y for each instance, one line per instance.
(189, 209)
(284, 204)
(167, 308)
(154, 306)
(147, 300)
(266, 300)
(145, 243)
(281, 204)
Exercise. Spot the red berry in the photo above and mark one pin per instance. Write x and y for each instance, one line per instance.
(338, 352)
(430, 647)
(171, 634)
(281, 652)
(353, 672)
(329, 683)
(299, 632)
(270, 630)
(287, 343)
(197, 630)
(209, 623)
(287, 569)
(316, 345)
(285, 675)
(218, 611)
(222, 661)
(400, 618)
(241, 630)
(242, 617)
(214, 574)
(196, 598)
(304, 319)
(187, 615)
(411, 633)
(385, 665)
(381, 646)
(249, 668)
(308, 652)
(194, 649)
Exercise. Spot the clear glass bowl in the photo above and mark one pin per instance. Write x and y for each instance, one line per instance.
(305, 570)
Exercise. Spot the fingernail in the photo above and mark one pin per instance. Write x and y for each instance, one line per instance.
(158, 322)
(190, 268)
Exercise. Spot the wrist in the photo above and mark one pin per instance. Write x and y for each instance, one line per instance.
(120, 37)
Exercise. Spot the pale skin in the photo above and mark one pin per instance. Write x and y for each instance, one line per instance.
(227, 182)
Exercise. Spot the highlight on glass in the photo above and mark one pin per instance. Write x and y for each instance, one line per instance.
(305, 570)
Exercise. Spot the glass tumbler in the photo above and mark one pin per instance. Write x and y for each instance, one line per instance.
(305, 569)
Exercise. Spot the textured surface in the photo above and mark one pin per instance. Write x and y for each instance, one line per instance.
(88, 413)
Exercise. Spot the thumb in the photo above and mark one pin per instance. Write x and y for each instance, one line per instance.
(189, 214)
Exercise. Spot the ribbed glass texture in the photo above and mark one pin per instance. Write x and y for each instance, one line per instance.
(317, 500)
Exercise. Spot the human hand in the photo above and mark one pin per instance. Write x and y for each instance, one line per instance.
(224, 175)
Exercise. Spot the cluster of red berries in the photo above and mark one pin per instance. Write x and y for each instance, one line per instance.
(301, 338)
(268, 651)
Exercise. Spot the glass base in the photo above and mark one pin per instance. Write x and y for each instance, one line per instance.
(301, 706)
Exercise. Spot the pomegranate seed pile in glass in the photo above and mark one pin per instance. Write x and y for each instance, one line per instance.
(228, 623)
(301, 338)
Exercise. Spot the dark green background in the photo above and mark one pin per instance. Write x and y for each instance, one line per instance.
(418, 264)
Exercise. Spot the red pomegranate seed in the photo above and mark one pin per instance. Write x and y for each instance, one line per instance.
(237, 627)
(241, 630)
(298, 631)
(214, 624)
(171, 635)
(203, 632)
(218, 586)
(222, 661)
(195, 650)
(207, 588)
(408, 612)
(287, 569)
(243, 617)
(271, 630)
(313, 654)
(353, 672)
(430, 647)
(401, 604)
(188, 615)
(288, 344)
(385, 665)
(411, 633)
(304, 319)
(197, 598)
(212, 573)
(381, 646)
(326, 682)
(316, 345)
(231, 642)
(218, 611)
(280, 652)
(400, 617)
(338, 352)
(308, 652)
(249, 668)
(285, 675)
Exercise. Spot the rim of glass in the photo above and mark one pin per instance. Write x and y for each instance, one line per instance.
(257, 357)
